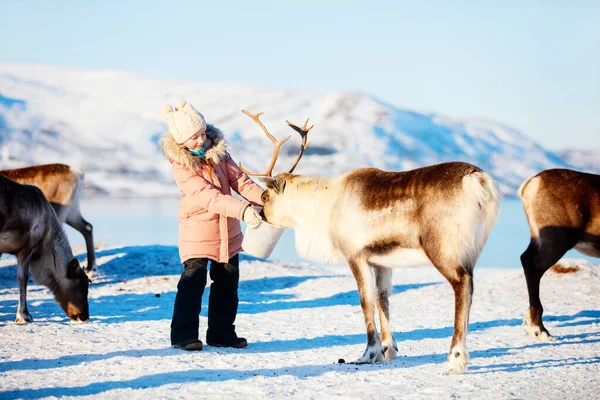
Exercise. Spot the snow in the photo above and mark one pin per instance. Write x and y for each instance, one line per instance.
(299, 320)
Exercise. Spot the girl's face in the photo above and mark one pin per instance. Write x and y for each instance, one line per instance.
(196, 141)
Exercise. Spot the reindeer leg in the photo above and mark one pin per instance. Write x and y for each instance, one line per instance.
(461, 280)
(23, 315)
(462, 283)
(536, 260)
(383, 279)
(364, 280)
(85, 228)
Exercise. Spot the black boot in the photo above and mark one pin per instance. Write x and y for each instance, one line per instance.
(232, 341)
(188, 301)
(190, 345)
(223, 304)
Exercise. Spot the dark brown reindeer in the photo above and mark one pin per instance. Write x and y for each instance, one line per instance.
(62, 185)
(563, 212)
(376, 220)
(30, 230)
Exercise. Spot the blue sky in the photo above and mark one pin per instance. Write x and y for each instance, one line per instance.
(531, 65)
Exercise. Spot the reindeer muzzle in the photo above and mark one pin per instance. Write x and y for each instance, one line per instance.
(80, 317)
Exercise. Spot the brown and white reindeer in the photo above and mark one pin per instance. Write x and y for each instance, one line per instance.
(377, 220)
(30, 230)
(62, 186)
(563, 212)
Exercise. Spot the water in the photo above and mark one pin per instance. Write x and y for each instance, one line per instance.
(155, 221)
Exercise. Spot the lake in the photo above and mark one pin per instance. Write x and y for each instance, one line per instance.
(148, 221)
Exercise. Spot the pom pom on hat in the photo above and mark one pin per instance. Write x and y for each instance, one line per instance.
(184, 121)
(167, 109)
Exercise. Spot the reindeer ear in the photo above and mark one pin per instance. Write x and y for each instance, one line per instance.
(72, 268)
(281, 185)
(275, 184)
(267, 180)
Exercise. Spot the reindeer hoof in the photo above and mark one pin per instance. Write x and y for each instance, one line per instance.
(537, 332)
(372, 354)
(457, 361)
(23, 318)
(546, 337)
(390, 349)
(455, 367)
(90, 272)
(454, 371)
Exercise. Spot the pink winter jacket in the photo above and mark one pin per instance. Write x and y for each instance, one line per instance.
(209, 216)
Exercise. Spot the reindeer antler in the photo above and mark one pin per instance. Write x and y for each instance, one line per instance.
(303, 133)
(276, 143)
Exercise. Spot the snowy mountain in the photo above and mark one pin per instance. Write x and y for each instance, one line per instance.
(109, 124)
(585, 159)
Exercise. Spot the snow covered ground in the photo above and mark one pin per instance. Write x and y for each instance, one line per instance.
(299, 319)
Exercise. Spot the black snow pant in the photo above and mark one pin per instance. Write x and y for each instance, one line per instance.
(222, 302)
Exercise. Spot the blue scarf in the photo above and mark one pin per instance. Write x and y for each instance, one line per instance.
(199, 153)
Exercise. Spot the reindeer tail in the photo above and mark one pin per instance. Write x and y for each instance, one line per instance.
(482, 205)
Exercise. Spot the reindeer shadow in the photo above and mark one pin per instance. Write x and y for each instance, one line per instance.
(592, 317)
(298, 371)
(565, 340)
(76, 359)
(210, 375)
(512, 367)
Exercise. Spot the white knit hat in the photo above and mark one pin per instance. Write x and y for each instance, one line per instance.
(184, 121)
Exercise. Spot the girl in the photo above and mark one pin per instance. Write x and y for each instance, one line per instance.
(209, 227)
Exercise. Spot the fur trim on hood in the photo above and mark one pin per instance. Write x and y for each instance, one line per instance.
(216, 150)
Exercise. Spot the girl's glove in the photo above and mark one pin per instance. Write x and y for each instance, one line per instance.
(252, 217)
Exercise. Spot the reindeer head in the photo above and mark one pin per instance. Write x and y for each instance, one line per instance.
(274, 209)
(72, 293)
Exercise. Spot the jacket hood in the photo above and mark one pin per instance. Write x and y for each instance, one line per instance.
(216, 150)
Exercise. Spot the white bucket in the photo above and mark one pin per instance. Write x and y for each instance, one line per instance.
(260, 241)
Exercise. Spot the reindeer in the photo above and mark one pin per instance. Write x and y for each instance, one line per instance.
(563, 212)
(376, 220)
(62, 185)
(30, 230)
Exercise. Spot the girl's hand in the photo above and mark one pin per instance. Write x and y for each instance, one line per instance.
(252, 217)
